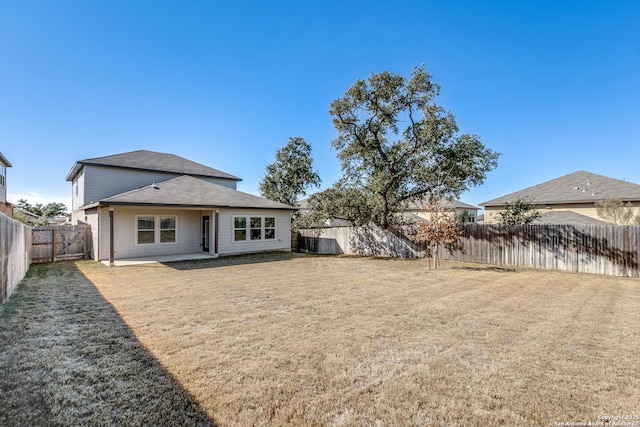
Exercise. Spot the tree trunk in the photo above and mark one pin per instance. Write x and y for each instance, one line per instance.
(435, 256)
(384, 220)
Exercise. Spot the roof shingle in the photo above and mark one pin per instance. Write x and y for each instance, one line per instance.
(152, 161)
(567, 217)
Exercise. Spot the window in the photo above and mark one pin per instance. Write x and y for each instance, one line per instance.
(270, 228)
(240, 228)
(146, 229)
(256, 228)
(3, 170)
(156, 229)
(167, 229)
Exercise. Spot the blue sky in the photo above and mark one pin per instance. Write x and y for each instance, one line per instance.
(552, 85)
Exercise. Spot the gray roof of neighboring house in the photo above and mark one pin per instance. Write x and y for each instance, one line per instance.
(152, 161)
(26, 213)
(187, 191)
(4, 161)
(567, 217)
(303, 204)
(577, 187)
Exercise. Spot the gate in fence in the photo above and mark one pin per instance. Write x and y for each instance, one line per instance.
(60, 243)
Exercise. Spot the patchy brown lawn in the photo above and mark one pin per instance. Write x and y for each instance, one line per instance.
(288, 339)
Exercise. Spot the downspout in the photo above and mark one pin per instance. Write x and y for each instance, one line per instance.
(111, 261)
(215, 236)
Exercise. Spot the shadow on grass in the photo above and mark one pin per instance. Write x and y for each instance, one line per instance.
(485, 268)
(231, 260)
(68, 359)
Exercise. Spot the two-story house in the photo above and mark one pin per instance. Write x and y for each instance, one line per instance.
(145, 203)
(569, 199)
(5, 207)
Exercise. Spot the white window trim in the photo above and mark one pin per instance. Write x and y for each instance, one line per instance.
(248, 228)
(156, 230)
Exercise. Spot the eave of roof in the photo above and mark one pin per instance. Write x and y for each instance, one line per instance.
(4, 160)
(144, 160)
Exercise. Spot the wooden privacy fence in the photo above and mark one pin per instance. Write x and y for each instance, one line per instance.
(60, 243)
(601, 249)
(15, 254)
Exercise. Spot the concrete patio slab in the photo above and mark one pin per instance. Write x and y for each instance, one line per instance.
(160, 258)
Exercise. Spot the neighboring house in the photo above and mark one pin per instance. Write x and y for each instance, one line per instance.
(452, 207)
(569, 199)
(303, 209)
(5, 207)
(27, 217)
(144, 203)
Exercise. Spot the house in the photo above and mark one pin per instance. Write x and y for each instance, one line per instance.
(27, 217)
(303, 209)
(144, 203)
(569, 199)
(5, 207)
(463, 212)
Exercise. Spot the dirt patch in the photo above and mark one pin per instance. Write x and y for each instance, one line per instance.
(288, 339)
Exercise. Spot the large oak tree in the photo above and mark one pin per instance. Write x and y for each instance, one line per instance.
(395, 144)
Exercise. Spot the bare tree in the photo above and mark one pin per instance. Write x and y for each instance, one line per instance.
(441, 229)
(614, 210)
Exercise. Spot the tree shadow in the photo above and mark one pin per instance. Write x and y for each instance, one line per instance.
(394, 243)
(230, 260)
(68, 359)
(491, 268)
(318, 245)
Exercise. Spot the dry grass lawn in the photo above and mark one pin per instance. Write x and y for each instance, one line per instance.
(287, 339)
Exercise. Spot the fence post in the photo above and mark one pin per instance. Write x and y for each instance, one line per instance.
(53, 246)
(86, 243)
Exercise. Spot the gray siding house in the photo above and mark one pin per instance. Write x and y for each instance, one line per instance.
(5, 206)
(144, 203)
